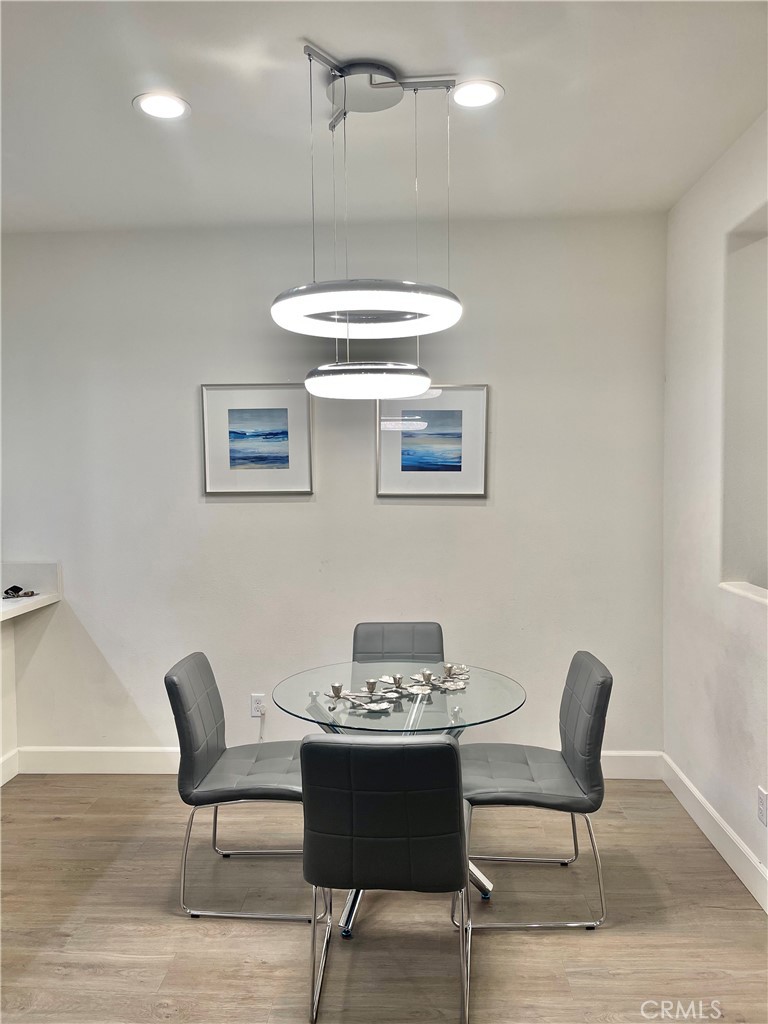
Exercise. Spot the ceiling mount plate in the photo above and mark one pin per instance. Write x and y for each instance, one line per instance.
(365, 87)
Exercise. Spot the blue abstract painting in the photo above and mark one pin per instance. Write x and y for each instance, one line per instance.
(258, 438)
(437, 447)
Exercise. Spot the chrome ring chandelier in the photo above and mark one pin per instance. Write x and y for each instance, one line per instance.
(366, 308)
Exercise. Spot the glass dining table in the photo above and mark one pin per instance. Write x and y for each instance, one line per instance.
(400, 697)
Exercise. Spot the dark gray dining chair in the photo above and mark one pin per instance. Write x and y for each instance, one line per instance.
(569, 780)
(384, 812)
(398, 641)
(212, 774)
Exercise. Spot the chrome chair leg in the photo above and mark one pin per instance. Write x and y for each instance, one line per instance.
(563, 862)
(316, 975)
(544, 925)
(195, 912)
(243, 853)
(184, 851)
(468, 947)
(458, 897)
(599, 869)
(480, 881)
(465, 946)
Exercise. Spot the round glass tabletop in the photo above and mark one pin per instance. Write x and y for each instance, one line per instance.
(469, 696)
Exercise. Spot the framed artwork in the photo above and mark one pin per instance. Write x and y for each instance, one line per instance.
(257, 439)
(434, 446)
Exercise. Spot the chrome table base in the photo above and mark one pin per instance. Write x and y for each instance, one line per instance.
(349, 913)
(480, 881)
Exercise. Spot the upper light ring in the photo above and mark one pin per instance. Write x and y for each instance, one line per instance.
(366, 308)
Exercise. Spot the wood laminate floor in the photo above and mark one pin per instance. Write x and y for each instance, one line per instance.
(92, 933)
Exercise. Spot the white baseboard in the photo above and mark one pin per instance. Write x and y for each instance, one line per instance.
(99, 760)
(730, 846)
(632, 764)
(9, 766)
(617, 764)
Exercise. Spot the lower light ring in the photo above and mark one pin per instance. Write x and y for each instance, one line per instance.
(367, 380)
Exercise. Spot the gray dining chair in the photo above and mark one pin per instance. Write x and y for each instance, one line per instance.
(569, 780)
(211, 774)
(398, 641)
(383, 812)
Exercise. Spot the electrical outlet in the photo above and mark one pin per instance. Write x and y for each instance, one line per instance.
(258, 707)
(762, 805)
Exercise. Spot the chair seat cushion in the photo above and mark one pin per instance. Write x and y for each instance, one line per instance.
(509, 773)
(256, 771)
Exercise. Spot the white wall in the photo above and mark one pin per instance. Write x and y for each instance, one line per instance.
(108, 336)
(714, 639)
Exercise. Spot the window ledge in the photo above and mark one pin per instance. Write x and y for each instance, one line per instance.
(759, 594)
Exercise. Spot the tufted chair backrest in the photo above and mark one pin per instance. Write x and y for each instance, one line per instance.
(582, 721)
(199, 716)
(398, 641)
(383, 812)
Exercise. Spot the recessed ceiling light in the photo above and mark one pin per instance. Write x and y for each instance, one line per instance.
(477, 93)
(163, 105)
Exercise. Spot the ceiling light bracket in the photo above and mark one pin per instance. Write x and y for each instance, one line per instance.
(337, 118)
(322, 58)
(368, 86)
(419, 84)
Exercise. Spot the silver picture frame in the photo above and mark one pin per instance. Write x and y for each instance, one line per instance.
(470, 481)
(283, 466)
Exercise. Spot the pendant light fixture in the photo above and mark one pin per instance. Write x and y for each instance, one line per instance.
(365, 308)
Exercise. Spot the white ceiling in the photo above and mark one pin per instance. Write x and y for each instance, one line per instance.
(609, 106)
